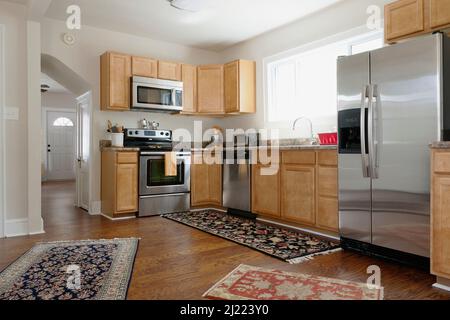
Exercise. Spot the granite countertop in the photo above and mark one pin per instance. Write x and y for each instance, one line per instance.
(105, 145)
(440, 145)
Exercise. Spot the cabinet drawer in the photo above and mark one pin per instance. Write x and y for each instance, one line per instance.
(441, 162)
(127, 157)
(328, 158)
(298, 157)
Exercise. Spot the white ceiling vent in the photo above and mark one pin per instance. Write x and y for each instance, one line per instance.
(188, 5)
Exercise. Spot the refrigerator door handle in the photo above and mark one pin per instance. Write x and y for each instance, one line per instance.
(364, 151)
(376, 131)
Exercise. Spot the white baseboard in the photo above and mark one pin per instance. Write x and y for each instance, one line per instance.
(96, 208)
(40, 229)
(441, 286)
(16, 227)
(117, 219)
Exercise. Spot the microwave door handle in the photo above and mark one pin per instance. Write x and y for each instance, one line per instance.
(364, 151)
(174, 93)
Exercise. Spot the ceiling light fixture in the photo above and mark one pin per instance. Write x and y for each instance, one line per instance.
(188, 5)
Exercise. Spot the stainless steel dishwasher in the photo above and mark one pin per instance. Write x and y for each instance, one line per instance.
(237, 183)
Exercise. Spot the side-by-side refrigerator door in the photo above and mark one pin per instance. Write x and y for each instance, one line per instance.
(354, 180)
(406, 103)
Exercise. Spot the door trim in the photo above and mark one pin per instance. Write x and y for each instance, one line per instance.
(45, 110)
(2, 131)
(92, 209)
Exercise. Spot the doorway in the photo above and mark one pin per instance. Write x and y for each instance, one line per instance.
(61, 141)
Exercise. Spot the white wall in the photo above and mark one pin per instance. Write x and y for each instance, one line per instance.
(84, 59)
(59, 100)
(341, 17)
(14, 18)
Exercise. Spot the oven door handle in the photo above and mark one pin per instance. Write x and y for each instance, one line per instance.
(159, 154)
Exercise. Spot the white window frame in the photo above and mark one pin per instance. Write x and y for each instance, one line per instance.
(352, 37)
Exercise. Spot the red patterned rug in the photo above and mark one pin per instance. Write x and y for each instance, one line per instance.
(253, 283)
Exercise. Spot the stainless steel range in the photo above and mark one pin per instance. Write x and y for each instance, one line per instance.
(158, 193)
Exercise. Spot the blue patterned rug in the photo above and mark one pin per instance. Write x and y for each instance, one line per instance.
(285, 244)
(71, 270)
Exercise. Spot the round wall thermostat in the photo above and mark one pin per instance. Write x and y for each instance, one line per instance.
(69, 39)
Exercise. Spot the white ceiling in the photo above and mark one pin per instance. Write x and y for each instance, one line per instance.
(55, 87)
(222, 23)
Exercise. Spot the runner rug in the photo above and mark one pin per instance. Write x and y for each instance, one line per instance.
(288, 245)
(252, 283)
(71, 270)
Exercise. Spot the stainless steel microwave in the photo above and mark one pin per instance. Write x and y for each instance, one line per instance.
(157, 95)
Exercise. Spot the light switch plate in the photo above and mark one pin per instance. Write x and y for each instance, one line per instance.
(11, 113)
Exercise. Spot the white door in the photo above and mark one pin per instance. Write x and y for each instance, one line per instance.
(83, 146)
(61, 145)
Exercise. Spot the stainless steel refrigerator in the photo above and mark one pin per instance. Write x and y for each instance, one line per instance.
(391, 106)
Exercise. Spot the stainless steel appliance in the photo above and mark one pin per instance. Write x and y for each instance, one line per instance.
(157, 95)
(158, 193)
(237, 175)
(236, 181)
(392, 104)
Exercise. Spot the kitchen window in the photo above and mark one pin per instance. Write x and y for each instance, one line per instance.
(304, 83)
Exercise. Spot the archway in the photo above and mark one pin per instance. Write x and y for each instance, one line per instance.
(62, 74)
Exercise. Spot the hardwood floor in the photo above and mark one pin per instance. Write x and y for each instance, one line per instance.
(178, 262)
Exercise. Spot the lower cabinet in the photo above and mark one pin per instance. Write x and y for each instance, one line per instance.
(266, 192)
(304, 191)
(119, 190)
(206, 183)
(440, 215)
(297, 196)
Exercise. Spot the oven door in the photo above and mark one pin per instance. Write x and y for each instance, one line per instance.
(160, 96)
(152, 178)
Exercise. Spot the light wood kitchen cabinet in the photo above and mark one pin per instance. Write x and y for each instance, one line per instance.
(206, 183)
(327, 191)
(409, 18)
(119, 188)
(440, 214)
(265, 192)
(144, 67)
(304, 191)
(189, 78)
(168, 70)
(240, 87)
(210, 89)
(115, 86)
(298, 193)
(439, 13)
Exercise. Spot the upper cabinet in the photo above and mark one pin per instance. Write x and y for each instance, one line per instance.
(240, 87)
(439, 13)
(210, 89)
(409, 18)
(169, 70)
(115, 81)
(189, 78)
(144, 67)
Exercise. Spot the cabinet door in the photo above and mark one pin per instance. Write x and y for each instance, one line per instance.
(189, 78)
(439, 13)
(440, 226)
(210, 89)
(127, 187)
(298, 193)
(265, 192)
(327, 198)
(215, 184)
(199, 181)
(231, 87)
(403, 18)
(144, 67)
(115, 81)
(169, 70)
